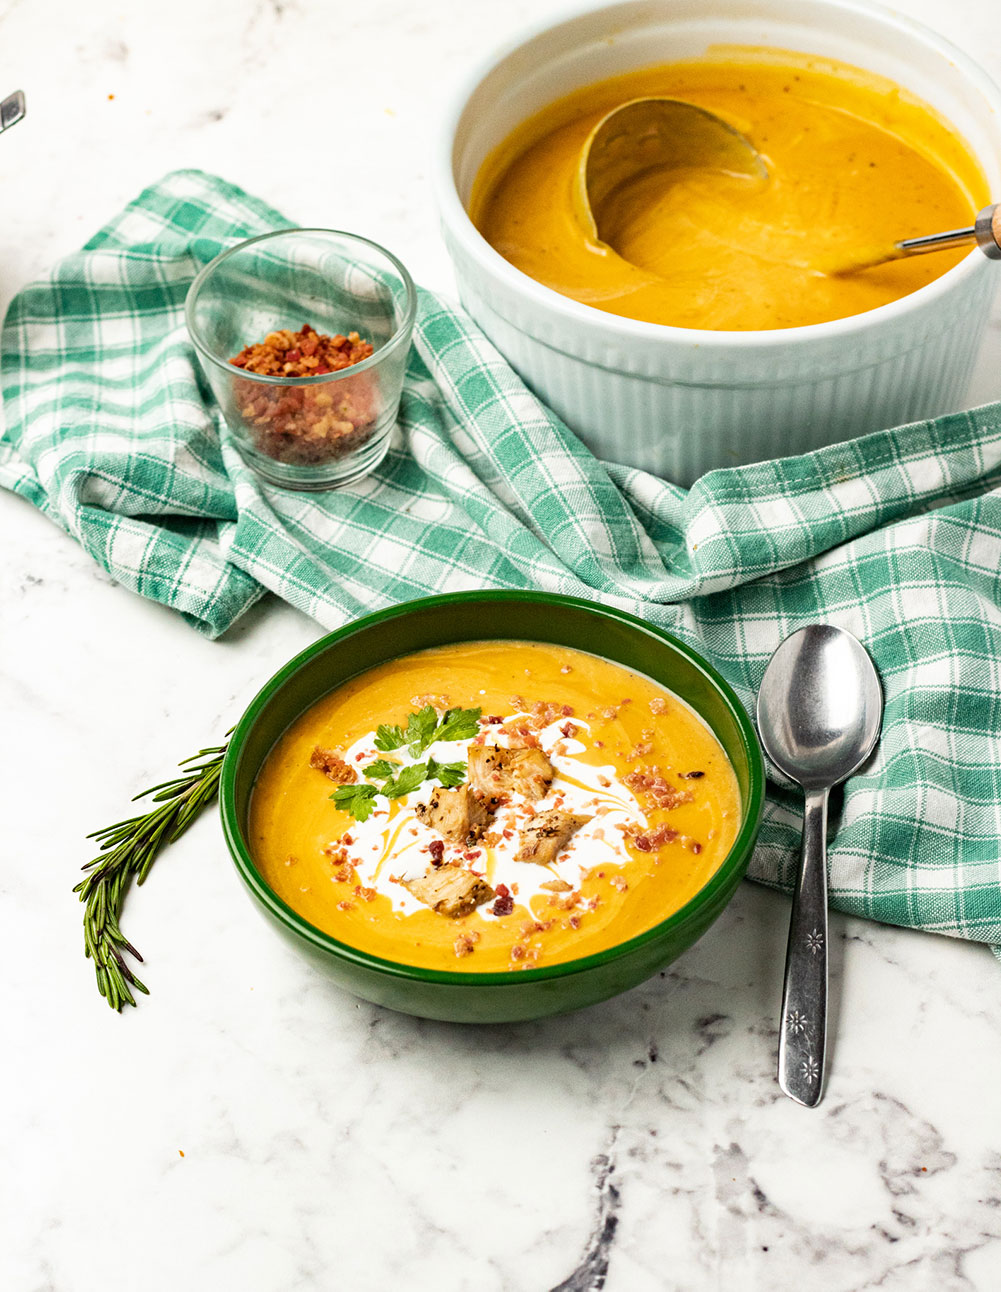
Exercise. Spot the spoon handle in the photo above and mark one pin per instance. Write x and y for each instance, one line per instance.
(803, 1030)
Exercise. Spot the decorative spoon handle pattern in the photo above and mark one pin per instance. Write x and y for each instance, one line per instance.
(803, 1029)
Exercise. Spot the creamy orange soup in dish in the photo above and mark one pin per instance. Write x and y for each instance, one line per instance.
(493, 806)
(854, 163)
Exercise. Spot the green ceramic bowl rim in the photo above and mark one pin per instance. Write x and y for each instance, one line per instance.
(735, 859)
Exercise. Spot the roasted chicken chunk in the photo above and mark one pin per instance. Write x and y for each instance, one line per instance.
(450, 890)
(547, 835)
(493, 770)
(456, 814)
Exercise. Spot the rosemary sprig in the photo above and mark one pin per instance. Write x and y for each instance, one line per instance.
(127, 851)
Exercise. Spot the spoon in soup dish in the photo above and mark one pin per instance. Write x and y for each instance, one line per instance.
(658, 134)
(820, 708)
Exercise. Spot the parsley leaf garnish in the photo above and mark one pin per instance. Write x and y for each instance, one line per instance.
(458, 724)
(387, 738)
(358, 800)
(420, 730)
(423, 729)
(381, 770)
(407, 781)
(447, 774)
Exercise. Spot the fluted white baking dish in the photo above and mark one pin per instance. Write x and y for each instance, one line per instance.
(680, 402)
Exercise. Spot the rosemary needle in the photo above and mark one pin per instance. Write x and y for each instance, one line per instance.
(127, 851)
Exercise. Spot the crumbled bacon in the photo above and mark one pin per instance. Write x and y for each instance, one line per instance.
(618, 882)
(658, 705)
(566, 669)
(695, 847)
(437, 850)
(517, 952)
(333, 766)
(465, 942)
(569, 730)
(504, 904)
(345, 906)
(439, 702)
(574, 921)
(655, 838)
(652, 782)
(343, 875)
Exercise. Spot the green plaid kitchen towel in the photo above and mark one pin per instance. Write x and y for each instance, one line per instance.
(896, 536)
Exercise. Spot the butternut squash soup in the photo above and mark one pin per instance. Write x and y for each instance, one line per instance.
(493, 805)
(854, 165)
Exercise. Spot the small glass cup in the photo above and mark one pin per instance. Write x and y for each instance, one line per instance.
(316, 432)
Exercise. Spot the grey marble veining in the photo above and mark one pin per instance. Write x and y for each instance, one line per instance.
(249, 1126)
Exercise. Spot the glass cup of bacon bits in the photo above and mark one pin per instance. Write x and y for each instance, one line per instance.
(304, 335)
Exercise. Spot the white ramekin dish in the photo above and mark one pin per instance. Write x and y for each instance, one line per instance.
(680, 402)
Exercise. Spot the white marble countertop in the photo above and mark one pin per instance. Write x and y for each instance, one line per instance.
(251, 1127)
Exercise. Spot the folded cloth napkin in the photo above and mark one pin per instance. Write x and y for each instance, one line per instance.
(897, 536)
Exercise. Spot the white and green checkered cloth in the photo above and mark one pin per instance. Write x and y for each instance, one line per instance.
(897, 536)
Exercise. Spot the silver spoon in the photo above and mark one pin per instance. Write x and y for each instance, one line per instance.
(820, 708)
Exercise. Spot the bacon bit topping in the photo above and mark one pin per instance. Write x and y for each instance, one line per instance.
(493, 720)
(472, 854)
(306, 424)
(437, 850)
(366, 894)
(574, 921)
(604, 782)
(345, 906)
(568, 730)
(655, 786)
(347, 839)
(618, 882)
(691, 776)
(344, 874)
(291, 861)
(333, 766)
(655, 839)
(642, 750)
(566, 669)
(599, 744)
(439, 702)
(609, 713)
(504, 904)
(517, 952)
(301, 354)
(465, 942)
(695, 847)
(518, 703)
(658, 705)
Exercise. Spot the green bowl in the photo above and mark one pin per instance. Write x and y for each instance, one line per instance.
(477, 616)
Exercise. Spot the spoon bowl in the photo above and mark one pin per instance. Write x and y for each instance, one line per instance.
(820, 708)
(654, 134)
